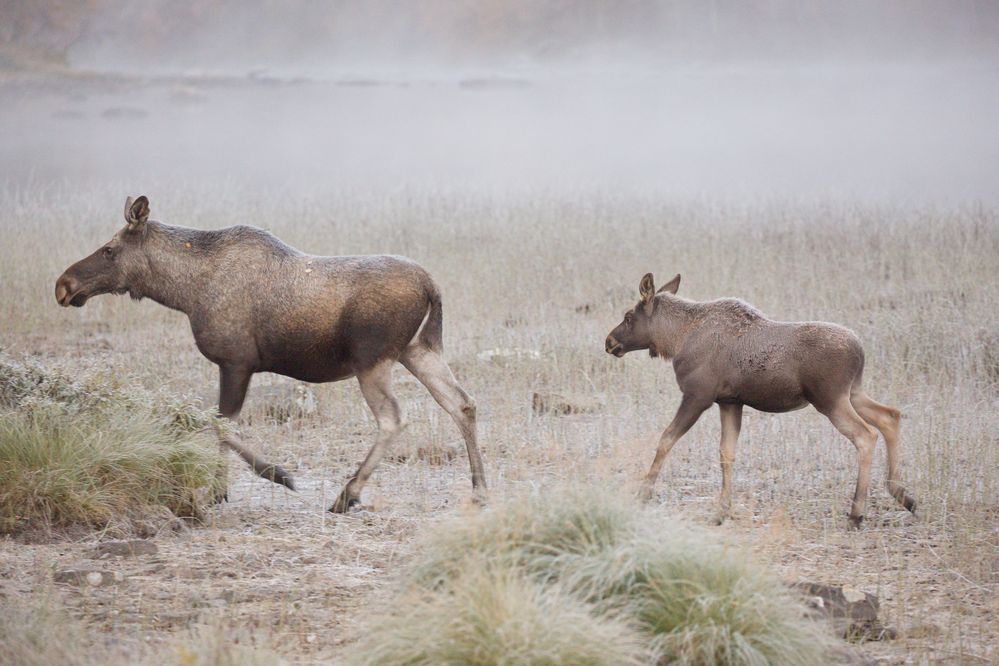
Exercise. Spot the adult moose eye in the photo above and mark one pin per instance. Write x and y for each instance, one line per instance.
(108, 253)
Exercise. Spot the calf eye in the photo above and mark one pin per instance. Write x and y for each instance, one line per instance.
(108, 253)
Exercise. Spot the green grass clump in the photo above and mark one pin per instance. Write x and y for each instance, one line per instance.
(76, 457)
(537, 534)
(493, 615)
(589, 553)
(698, 602)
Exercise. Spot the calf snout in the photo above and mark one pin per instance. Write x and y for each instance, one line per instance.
(612, 346)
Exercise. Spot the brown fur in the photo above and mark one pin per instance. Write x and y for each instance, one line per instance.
(256, 304)
(727, 352)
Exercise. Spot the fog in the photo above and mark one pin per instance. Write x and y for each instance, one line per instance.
(841, 109)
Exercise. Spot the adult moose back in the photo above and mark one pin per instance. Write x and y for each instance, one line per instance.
(258, 305)
(727, 352)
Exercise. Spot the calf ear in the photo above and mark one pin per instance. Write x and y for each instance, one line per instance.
(647, 288)
(671, 286)
(136, 212)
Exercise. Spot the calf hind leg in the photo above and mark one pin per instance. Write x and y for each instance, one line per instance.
(731, 423)
(865, 438)
(429, 367)
(888, 421)
(376, 387)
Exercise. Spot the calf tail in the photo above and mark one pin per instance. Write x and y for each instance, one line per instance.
(432, 334)
(269, 471)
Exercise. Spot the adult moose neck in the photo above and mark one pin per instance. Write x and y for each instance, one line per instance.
(673, 319)
(178, 266)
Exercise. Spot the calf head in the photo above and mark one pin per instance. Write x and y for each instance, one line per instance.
(637, 330)
(114, 267)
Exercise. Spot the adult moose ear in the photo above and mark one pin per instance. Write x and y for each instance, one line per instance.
(647, 288)
(671, 286)
(136, 212)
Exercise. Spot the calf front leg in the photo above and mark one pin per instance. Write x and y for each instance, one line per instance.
(690, 410)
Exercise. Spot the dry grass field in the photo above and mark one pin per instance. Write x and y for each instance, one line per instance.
(532, 284)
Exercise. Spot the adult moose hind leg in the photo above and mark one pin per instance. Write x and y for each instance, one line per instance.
(233, 383)
(865, 438)
(731, 424)
(376, 387)
(690, 410)
(888, 420)
(428, 366)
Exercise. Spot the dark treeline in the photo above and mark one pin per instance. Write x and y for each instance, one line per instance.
(221, 33)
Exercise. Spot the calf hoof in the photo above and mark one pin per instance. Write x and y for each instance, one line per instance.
(720, 518)
(219, 496)
(345, 503)
(480, 497)
(646, 493)
(855, 522)
(910, 504)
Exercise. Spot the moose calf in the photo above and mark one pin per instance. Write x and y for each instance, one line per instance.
(727, 352)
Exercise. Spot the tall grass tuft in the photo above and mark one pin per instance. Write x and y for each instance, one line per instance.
(587, 553)
(537, 534)
(79, 455)
(493, 614)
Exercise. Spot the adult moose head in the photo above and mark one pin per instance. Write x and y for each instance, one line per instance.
(727, 352)
(258, 305)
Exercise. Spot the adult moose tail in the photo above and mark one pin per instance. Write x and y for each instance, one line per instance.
(432, 333)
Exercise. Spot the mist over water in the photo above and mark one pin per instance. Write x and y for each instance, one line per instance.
(754, 121)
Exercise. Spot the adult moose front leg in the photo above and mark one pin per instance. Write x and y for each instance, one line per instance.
(376, 386)
(690, 410)
(233, 383)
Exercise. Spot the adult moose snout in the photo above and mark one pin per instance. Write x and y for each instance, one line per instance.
(67, 291)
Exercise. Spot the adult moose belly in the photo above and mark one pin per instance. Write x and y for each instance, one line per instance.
(307, 353)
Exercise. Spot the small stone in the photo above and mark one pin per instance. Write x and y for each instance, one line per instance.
(132, 548)
(87, 577)
(928, 630)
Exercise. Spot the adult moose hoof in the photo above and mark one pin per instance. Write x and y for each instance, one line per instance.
(855, 522)
(219, 496)
(277, 474)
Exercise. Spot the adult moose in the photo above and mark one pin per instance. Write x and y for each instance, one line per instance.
(258, 305)
(727, 352)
